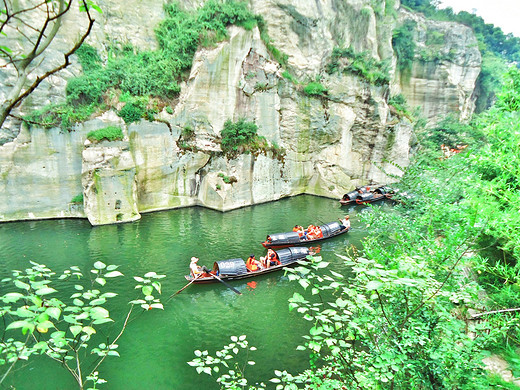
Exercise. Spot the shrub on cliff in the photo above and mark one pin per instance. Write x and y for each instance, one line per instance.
(315, 89)
(110, 133)
(237, 136)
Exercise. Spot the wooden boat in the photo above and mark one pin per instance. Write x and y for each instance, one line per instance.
(366, 194)
(280, 240)
(235, 269)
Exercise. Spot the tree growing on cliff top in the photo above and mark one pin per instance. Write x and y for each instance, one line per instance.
(26, 31)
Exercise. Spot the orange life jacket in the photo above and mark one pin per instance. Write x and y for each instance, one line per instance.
(251, 265)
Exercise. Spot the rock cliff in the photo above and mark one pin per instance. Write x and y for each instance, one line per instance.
(322, 145)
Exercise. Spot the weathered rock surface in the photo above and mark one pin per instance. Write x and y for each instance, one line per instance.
(321, 145)
(446, 66)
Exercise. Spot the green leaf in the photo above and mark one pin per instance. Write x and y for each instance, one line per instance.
(75, 330)
(98, 301)
(157, 306)
(374, 285)
(101, 281)
(41, 345)
(22, 285)
(102, 321)
(54, 312)
(157, 286)
(45, 291)
(98, 313)
(109, 295)
(147, 290)
(12, 297)
(113, 274)
(88, 330)
(16, 325)
(44, 326)
(99, 265)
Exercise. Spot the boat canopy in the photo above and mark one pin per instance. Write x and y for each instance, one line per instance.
(231, 267)
(289, 255)
(330, 229)
(365, 197)
(284, 238)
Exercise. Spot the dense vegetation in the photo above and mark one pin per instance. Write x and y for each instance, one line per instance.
(347, 60)
(407, 317)
(145, 80)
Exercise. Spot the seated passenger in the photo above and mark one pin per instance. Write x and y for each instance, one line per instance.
(252, 264)
(271, 259)
(300, 230)
(319, 233)
(311, 232)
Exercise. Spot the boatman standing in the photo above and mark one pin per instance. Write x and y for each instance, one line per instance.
(345, 222)
(195, 269)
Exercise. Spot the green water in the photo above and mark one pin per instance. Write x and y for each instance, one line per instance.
(155, 348)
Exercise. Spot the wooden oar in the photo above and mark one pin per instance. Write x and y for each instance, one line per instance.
(192, 280)
(226, 284)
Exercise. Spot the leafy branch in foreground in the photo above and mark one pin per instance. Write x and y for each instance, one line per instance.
(37, 322)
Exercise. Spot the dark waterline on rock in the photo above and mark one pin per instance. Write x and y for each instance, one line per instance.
(157, 344)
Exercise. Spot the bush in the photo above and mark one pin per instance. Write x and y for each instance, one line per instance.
(110, 133)
(315, 89)
(290, 77)
(238, 135)
(360, 64)
(134, 110)
(404, 45)
(78, 199)
(88, 58)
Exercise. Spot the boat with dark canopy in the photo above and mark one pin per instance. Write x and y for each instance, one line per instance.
(280, 240)
(235, 269)
(366, 194)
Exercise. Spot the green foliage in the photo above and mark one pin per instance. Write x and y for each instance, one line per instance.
(361, 64)
(238, 136)
(234, 378)
(509, 98)
(60, 115)
(404, 45)
(290, 77)
(133, 110)
(39, 320)
(110, 133)
(496, 47)
(227, 179)
(280, 57)
(88, 58)
(399, 319)
(315, 89)
(151, 74)
(78, 199)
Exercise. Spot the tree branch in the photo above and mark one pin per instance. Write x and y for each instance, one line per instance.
(473, 316)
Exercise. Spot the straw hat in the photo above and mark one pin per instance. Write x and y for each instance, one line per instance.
(194, 259)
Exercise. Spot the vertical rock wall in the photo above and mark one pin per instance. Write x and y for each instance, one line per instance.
(323, 145)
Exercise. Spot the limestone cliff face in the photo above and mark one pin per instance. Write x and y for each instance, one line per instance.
(444, 71)
(323, 145)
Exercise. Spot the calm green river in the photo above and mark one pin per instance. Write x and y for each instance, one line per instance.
(158, 344)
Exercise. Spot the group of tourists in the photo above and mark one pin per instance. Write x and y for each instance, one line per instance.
(271, 259)
(314, 232)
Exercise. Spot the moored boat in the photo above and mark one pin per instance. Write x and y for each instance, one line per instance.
(366, 194)
(280, 240)
(235, 269)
